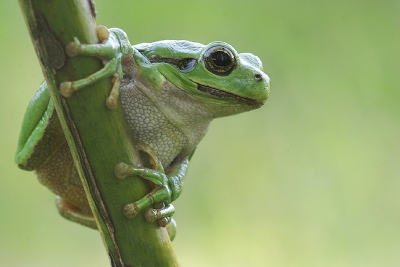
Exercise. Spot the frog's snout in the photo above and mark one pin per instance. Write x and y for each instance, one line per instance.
(258, 77)
(262, 77)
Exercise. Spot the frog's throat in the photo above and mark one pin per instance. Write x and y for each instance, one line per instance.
(223, 94)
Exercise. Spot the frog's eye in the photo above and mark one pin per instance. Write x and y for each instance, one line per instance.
(219, 60)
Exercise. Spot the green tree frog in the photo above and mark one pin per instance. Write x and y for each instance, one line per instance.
(170, 92)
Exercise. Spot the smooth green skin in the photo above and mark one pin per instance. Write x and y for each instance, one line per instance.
(40, 131)
(242, 76)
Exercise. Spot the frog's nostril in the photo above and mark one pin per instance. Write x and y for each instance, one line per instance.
(258, 77)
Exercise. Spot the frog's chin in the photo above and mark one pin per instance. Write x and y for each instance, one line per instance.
(226, 95)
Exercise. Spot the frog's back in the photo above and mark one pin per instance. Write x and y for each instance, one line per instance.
(41, 133)
(176, 49)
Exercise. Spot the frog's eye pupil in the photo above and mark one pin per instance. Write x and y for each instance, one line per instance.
(219, 60)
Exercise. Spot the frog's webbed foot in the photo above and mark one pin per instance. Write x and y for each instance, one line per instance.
(114, 47)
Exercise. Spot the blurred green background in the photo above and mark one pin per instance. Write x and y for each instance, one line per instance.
(310, 179)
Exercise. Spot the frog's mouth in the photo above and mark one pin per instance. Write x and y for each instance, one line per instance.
(222, 94)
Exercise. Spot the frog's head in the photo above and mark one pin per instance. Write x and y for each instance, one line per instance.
(215, 75)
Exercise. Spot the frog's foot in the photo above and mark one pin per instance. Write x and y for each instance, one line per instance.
(114, 47)
(73, 213)
(161, 213)
(158, 196)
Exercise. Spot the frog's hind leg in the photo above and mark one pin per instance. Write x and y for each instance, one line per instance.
(41, 133)
(59, 174)
(73, 213)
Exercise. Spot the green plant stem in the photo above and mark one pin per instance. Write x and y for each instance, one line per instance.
(97, 136)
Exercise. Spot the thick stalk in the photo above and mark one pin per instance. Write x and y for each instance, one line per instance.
(97, 136)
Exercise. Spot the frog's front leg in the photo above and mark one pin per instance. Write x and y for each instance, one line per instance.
(160, 195)
(156, 203)
(161, 212)
(114, 48)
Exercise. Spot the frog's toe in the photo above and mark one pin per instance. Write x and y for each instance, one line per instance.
(158, 194)
(66, 89)
(102, 33)
(162, 214)
(74, 48)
